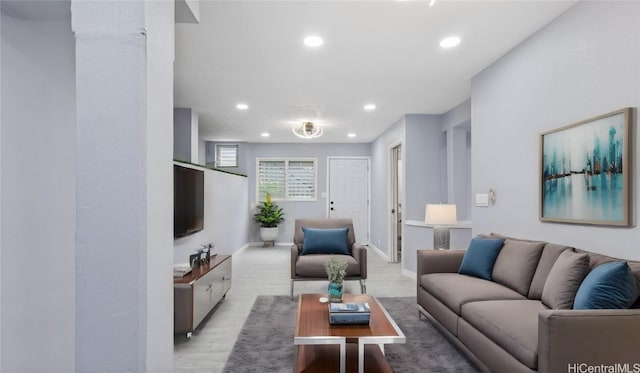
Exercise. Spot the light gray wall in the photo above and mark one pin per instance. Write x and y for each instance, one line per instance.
(37, 194)
(424, 164)
(584, 63)
(293, 210)
(186, 140)
(225, 216)
(458, 116)
(182, 134)
(457, 125)
(425, 167)
(380, 203)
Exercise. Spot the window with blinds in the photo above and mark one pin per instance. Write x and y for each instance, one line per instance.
(226, 155)
(286, 179)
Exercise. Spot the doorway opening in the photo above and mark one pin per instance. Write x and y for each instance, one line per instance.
(396, 188)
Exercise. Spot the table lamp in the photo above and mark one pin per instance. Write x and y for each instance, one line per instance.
(440, 216)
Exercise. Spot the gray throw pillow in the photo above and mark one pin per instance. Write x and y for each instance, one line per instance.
(516, 264)
(564, 279)
(550, 254)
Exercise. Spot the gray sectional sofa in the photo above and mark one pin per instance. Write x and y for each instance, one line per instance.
(511, 323)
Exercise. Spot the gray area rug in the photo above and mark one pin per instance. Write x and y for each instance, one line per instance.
(265, 343)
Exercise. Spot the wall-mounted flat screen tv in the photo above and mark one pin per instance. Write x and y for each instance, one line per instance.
(188, 201)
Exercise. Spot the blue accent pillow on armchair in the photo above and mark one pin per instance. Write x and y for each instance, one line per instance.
(480, 257)
(325, 241)
(608, 286)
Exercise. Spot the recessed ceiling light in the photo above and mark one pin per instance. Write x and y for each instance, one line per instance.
(264, 134)
(242, 106)
(351, 134)
(431, 2)
(450, 42)
(313, 41)
(370, 107)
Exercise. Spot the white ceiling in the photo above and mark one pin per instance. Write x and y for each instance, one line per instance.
(385, 52)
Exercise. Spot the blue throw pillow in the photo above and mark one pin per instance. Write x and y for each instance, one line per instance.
(608, 286)
(480, 257)
(325, 241)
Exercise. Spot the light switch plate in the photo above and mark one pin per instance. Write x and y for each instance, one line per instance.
(482, 200)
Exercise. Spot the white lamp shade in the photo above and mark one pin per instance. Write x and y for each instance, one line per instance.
(440, 214)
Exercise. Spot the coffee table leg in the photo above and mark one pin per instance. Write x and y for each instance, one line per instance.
(343, 356)
(360, 356)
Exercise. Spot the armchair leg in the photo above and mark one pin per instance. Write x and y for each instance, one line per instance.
(363, 286)
(292, 290)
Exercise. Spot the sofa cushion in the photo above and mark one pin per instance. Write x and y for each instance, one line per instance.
(454, 289)
(325, 241)
(564, 279)
(608, 286)
(517, 263)
(312, 265)
(511, 324)
(550, 254)
(480, 257)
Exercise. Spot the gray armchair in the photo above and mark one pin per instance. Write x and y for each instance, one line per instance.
(310, 267)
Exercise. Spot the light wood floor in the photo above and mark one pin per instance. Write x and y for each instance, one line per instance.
(265, 271)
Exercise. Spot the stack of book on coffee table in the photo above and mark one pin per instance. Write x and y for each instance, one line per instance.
(349, 313)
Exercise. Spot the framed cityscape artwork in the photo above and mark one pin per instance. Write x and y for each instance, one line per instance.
(585, 175)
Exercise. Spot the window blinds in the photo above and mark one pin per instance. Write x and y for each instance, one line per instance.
(286, 179)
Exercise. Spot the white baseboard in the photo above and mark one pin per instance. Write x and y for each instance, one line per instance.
(408, 273)
(378, 251)
(260, 243)
(242, 248)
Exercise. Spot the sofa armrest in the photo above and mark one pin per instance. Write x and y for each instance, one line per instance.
(585, 338)
(294, 259)
(438, 261)
(360, 253)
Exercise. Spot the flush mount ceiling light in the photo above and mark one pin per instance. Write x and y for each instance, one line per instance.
(450, 42)
(370, 107)
(313, 41)
(307, 130)
(351, 134)
(242, 106)
(264, 134)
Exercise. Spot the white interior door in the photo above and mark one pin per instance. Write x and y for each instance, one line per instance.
(349, 193)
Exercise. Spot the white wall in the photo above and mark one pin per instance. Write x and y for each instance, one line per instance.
(226, 216)
(299, 209)
(37, 195)
(583, 64)
(159, 24)
(123, 251)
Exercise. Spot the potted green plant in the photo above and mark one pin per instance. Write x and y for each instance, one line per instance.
(269, 216)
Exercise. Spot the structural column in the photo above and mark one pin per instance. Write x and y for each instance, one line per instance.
(114, 318)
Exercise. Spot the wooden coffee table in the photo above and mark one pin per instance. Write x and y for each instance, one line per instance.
(322, 347)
